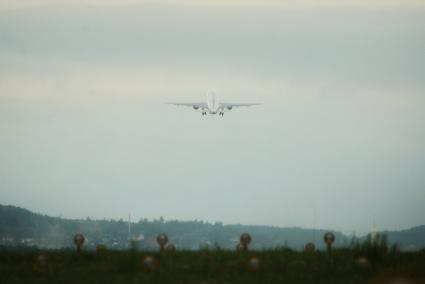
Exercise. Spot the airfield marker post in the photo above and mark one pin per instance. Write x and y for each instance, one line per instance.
(162, 240)
(245, 240)
(79, 240)
(329, 238)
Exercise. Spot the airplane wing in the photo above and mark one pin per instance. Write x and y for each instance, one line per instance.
(229, 105)
(194, 105)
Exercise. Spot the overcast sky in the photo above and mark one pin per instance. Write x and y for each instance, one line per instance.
(339, 139)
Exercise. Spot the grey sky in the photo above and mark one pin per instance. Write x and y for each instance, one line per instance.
(84, 131)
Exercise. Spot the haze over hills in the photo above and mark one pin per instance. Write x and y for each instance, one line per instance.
(22, 228)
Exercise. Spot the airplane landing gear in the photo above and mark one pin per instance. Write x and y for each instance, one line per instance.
(221, 113)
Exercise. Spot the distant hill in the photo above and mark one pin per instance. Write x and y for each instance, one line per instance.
(20, 227)
(411, 239)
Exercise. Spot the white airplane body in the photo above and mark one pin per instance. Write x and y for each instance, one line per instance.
(212, 105)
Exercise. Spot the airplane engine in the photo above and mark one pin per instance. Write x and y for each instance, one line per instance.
(195, 107)
(229, 108)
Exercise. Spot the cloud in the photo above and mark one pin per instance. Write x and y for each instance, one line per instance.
(12, 4)
(82, 113)
(349, 47)
(58, 79)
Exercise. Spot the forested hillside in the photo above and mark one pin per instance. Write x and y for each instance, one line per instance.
(20, 227)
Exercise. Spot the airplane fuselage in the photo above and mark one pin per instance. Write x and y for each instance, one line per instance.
(213, 103)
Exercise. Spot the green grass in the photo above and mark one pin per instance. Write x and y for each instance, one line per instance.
(215, 266)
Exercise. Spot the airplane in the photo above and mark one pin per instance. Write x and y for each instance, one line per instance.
(212, 105)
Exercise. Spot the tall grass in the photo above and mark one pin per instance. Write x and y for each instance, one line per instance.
(281, 265)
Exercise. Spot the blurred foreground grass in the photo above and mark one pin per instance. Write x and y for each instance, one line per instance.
(213, 266)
